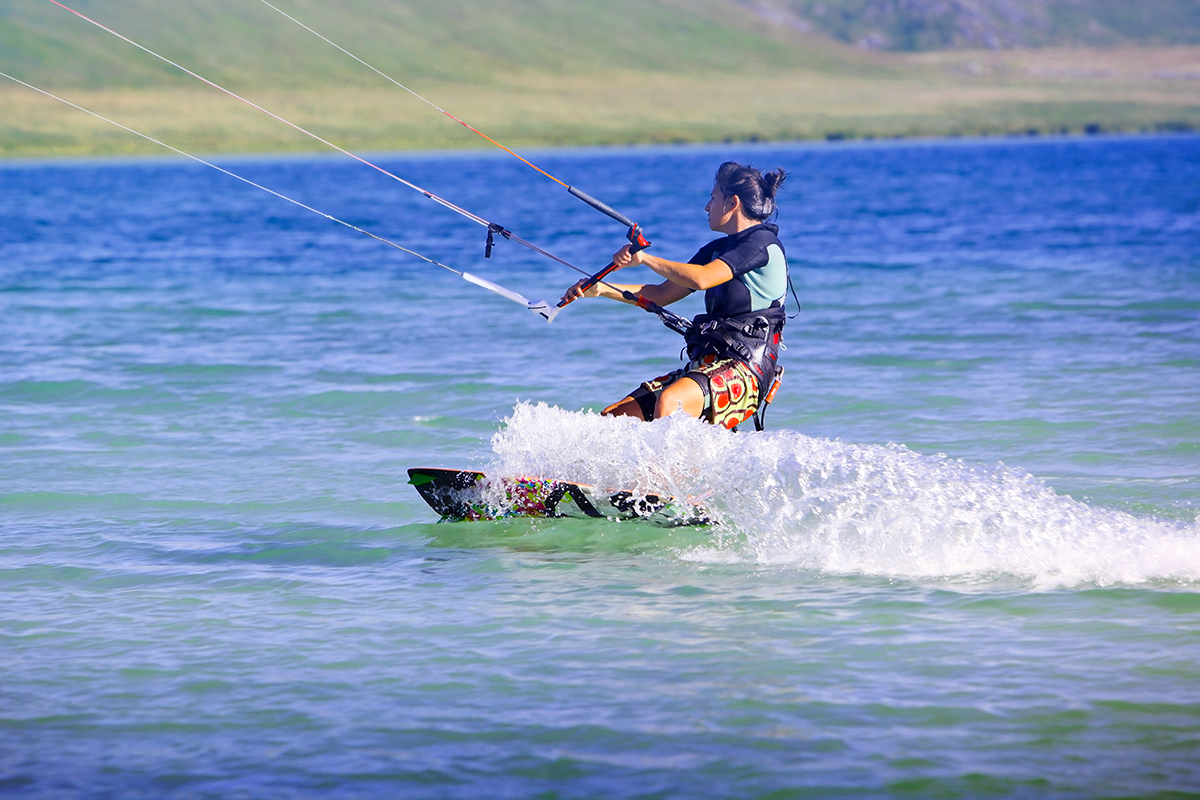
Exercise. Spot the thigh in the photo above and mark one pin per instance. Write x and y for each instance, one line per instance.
(643, 400)
(628, 407)
(683, 393)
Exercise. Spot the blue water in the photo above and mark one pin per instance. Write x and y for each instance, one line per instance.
(963, 561)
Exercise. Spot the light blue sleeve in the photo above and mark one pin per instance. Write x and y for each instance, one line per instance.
(768, 283)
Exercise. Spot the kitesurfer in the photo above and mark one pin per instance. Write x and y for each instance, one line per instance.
(733, 348)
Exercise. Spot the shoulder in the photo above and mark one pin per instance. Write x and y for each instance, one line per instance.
(763, 235)
(710, 251)
(758, 237)
(750, 249)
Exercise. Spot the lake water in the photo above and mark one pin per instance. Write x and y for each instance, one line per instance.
(962, 561)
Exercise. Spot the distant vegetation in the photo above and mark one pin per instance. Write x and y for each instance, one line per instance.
(245, 43)
(546, 72)
(922, 25)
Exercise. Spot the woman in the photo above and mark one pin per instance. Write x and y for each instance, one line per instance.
(732, 348)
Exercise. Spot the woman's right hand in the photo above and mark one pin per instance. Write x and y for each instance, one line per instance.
(577, 291)
(627, 257)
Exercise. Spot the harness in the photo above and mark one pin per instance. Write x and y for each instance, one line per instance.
(753, 339)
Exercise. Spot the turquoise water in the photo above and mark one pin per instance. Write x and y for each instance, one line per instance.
(962, 562)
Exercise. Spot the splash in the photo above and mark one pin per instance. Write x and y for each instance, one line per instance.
(852, 509)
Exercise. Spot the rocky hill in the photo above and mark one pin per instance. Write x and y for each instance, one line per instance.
(922, 25)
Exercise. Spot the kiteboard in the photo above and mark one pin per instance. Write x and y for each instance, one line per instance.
(467, 495)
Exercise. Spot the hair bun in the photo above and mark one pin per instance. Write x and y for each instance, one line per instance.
(772, 181)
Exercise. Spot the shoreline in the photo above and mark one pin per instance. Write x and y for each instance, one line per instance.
(941, 95)
(476, 151)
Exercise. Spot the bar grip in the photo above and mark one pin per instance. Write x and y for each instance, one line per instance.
(590, 282)
(636, 242)
(601, 207)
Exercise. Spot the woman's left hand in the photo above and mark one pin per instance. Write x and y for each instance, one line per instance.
(577, 291)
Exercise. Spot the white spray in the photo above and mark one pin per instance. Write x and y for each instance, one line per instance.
(852, 509)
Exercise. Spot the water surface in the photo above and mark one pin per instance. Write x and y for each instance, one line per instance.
(962, 561)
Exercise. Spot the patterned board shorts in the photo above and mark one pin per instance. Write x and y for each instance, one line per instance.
(732, 389)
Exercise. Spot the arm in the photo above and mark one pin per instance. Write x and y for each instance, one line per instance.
(689, 276)
(663, 293)
(682, 279)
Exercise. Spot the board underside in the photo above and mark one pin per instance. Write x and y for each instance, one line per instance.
(467, 495)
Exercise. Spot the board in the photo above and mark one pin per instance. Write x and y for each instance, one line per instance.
(468, 495)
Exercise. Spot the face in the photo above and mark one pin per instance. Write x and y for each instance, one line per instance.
(720, 210)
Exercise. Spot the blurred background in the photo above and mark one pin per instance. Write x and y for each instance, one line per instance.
(552, 72)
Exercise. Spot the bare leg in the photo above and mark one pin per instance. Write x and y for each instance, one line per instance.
(624, 408)
(684, 393)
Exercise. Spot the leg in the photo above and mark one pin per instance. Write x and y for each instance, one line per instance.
(642, 403)
(684, 393)
(629, 407)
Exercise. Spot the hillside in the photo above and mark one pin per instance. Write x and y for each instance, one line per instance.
(246, 43)
(548, 72)
(924, 25)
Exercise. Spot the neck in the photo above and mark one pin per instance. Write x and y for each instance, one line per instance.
(738, 223)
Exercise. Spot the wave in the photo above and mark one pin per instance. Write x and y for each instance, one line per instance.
(852, 509)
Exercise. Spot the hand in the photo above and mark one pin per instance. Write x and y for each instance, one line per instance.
(623, 258)
(576, 291)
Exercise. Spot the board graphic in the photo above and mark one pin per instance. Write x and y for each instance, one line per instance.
(468, 495)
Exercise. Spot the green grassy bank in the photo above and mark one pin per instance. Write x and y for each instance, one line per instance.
(540, 73)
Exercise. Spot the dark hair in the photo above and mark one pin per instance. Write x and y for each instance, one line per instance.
(755, 190)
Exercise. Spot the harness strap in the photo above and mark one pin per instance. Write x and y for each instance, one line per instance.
(792, 286)
(760, 413)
